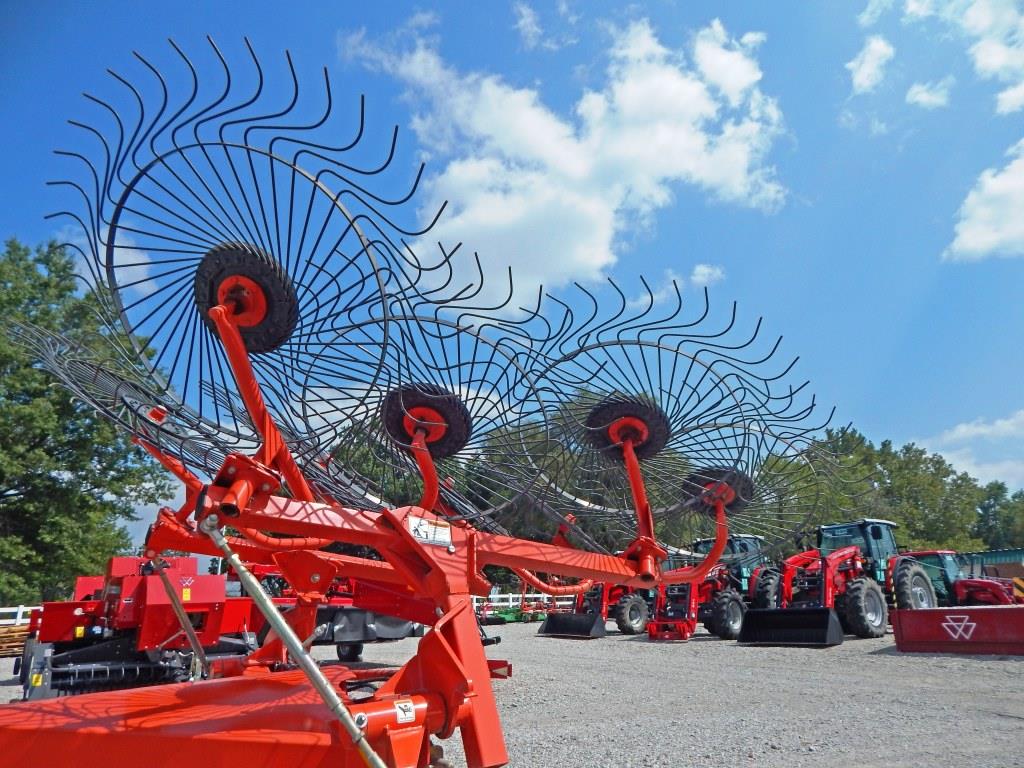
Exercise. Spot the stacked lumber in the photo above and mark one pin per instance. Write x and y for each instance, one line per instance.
(12, 640)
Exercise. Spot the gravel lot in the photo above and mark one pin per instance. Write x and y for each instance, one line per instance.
(621, 701)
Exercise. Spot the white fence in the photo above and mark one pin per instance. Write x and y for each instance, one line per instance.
(13, 615)
(513, 600)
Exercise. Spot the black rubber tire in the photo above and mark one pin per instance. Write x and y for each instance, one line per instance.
(766, 590)
(912, 589)
(605, 413)
(397, 403)
(350, 651)
(631, 614)
(227, 259)
(741, 484)
(866, 610)
(727, 610)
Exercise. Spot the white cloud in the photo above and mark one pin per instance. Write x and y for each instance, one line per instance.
(706, 275)
(867, 68)
(873, 11)
(532, 33)
(669, 287)
(917, 9)
(987, 450)
(1010, 99)
(555, 195)
(995, 31)
(1012, 426)
(930, 95)
(729, 68)
(1010, 471)
(527, 25)
(990, 220)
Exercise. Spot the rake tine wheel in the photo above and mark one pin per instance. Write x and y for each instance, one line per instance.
(701, 404)
(233, 190)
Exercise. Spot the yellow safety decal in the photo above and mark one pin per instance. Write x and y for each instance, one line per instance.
(79, 632)
(37, 680)
(1018, 586)
(186, 593)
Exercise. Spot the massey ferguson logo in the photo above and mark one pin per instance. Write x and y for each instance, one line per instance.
(959, 627)
(186, 581)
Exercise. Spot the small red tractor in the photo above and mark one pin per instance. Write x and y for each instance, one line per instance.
(719, 601)
(952, 583)
(123, 629)
(845, 585)
(629, 607)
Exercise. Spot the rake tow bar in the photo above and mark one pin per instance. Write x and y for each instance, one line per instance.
(296, 649)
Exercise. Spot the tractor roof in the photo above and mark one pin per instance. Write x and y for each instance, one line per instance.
(864, 521)
(733, 536)
(916, 552)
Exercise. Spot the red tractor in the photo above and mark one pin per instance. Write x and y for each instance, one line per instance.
(719, 601)
(845, 585)
(951, 582)
(629, 607)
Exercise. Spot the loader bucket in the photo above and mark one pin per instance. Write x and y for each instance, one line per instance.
(585, 626)
(791, 626)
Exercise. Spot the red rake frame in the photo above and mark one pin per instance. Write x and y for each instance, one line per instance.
(434, 562)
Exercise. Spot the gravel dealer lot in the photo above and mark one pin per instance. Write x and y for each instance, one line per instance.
(622, 701)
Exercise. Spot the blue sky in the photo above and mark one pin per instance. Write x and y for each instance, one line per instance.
(854, 172)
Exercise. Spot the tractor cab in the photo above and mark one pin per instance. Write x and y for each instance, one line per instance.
(743, 554)
(874, 537)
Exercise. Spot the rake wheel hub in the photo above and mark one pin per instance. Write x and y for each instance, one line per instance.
(422, 418)
(734, 488)
(247, 298)
(431, 408)
(611, 422)
(251, 282)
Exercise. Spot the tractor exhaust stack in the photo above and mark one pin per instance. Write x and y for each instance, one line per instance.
(813, 627)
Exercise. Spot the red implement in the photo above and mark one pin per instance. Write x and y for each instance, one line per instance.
(257, 720)
(977, 629)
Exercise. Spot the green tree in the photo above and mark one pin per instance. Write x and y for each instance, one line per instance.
(68, 478)
(1000, 521)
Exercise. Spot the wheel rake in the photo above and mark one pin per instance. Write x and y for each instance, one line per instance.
(312, 382)
(697, 404)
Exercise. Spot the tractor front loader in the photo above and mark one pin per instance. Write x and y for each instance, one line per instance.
(843, 586)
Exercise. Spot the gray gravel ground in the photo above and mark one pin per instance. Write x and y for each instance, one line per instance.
(622, 702)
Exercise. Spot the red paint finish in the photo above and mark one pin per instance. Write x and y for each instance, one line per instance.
(976, 629)
(259, 721)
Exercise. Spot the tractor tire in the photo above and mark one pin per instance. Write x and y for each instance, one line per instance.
(727, 609)
(631, 614)
(911, 586)
(766, 591)
(350, 651)
(866, 610)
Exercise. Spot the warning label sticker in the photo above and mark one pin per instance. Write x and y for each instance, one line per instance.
(405, 711)
(430, 531)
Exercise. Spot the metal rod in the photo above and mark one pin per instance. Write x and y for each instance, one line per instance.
(160, 565)
(330, 697)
